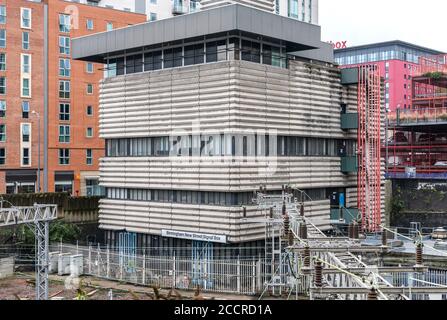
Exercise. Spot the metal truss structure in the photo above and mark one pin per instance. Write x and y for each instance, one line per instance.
(322, 267)
(369, 147)
(38, 218)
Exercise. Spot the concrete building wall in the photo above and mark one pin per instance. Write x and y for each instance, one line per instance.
(230, 97)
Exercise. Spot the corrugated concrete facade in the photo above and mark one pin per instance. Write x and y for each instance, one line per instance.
(224, 97)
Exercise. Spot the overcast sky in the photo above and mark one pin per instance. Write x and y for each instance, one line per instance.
(422, 22)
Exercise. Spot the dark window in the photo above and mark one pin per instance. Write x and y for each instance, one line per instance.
(25, 158)
(2, 156)
(216, 51)
(64, 111)
(134, 63)
(173, 57)
(89, 110)
(152, 61)
(251, 51)
(194, 54)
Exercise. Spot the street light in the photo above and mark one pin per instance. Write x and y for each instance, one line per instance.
(38, 148)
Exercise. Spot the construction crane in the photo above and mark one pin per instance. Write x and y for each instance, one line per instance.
(38, 218)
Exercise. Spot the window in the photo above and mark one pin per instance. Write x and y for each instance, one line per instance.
(25, 40)
(251, 51)
(173, 57)
(64, 67)
(64, 45)
(2, 85)
(63, 186)
(89, 110)
(64, 156)
(89, 88)
(25, 109)
(293, 9)
(89, 132)
(153, 1)
(2, 156)
(153, 16)
(64, 111)
(25, 14)
(152, 60)
(25, 157)
(2, 38)
(64, 23)
(2, 61)
(26, 63)
(109, 26)
(271, 55)
(64, 89)
(2, 108)
(89, 67)
(26, 90)
(89, 157)
(64, 134)
(2, 14)
(89, 24)
(2, 132)
(194, 54)
(26, 131)
(134, 63)
(216, 51)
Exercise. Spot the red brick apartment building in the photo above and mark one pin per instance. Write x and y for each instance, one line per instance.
(41, 87)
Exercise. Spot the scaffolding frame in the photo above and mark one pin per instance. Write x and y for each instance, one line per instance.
(369, 147)
(419, 139)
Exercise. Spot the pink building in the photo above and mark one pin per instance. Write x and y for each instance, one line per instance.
(398, 61)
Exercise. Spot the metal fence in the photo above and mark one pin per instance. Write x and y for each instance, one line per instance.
(237, 276)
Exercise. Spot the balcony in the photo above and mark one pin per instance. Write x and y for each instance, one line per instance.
(424, 116)
(180, 7)
(349, 164)
(349, 121)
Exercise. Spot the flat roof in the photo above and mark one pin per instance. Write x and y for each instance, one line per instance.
(388, 44)
(298, 36)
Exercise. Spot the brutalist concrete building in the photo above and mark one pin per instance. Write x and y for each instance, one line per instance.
(198, 111)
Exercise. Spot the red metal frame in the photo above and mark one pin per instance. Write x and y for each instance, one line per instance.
(369, 147)
(427, 117)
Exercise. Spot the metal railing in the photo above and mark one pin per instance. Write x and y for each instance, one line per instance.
(419, 116)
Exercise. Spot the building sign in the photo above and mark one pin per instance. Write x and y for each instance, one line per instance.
(194, 236)
(339, 44)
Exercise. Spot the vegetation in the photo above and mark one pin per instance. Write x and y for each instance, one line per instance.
(435, 75)
(59, 231)
(397, 204)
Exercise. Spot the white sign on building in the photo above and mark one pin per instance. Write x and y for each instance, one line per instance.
(194, 236)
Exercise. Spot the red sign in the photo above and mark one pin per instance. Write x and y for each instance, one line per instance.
(339, 44)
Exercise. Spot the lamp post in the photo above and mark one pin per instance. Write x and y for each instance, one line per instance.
(38, 148)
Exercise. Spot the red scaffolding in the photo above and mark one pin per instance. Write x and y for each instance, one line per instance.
(369, 151)
(419, 135)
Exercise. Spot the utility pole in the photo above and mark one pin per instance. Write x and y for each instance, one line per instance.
(38, 148)
(38, 218)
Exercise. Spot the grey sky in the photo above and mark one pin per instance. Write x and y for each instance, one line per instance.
(368, 21)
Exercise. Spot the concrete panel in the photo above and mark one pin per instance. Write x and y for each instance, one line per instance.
(221, 19)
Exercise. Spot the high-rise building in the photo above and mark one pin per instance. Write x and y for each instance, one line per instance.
(398, 62)
(49, 103)
(196, 119)
(302, 10)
